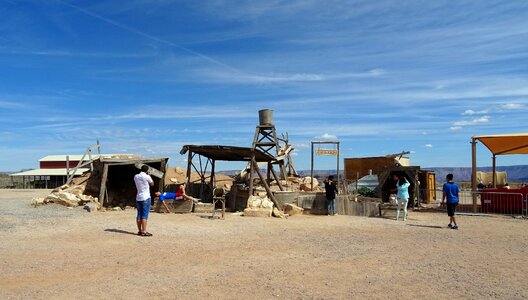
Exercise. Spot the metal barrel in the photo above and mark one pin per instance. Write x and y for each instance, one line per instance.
(266, 117)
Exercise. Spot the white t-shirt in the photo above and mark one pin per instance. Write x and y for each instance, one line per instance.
(142, 181)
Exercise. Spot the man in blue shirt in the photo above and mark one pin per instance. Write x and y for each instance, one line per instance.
(450, 192)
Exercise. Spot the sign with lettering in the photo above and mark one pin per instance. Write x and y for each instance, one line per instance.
(327, 152)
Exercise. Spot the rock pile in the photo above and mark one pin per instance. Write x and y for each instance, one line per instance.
(259, 206)
(70, 196)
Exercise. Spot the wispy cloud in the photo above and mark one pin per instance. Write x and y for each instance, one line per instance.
(471, 122)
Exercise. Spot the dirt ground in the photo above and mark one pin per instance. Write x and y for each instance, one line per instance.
(55, 252)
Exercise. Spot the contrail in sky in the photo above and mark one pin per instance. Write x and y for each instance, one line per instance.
(148, 36)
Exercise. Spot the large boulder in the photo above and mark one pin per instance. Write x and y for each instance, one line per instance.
(259, 202)
(63, 198)
(292, 210)
(306, 184)
(257, 212)
(38, 201)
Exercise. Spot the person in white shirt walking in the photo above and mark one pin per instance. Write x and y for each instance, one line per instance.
(143, 183)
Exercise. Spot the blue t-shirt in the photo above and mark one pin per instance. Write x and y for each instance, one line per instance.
(451, 191)
(167, 195)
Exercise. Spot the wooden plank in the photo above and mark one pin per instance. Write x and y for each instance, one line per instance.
(152, 171)
(277, 179)
(252, 165)
(266, 186)
(102, 190)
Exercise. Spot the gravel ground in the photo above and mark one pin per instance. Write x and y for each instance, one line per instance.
(54, 252)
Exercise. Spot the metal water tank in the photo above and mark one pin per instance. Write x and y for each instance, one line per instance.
(266, 117)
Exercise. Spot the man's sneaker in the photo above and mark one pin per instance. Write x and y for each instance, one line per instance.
(454, 227)
(450, 225)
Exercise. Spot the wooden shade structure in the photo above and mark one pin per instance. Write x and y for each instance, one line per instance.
(214, 153)
(499, 144)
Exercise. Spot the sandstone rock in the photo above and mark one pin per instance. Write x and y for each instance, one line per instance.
(277, 213)
(63, 198)
(60, 188)
(306, 184)
(259, 202)
(292, 209)
(117, 208)
(38, 201)
(91, 207)
(257, 212)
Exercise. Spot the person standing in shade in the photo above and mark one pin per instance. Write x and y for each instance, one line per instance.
(450, 193)
(143, 183)
(402, 196)
(331, 191)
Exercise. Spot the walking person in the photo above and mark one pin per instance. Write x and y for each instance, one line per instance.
(450, 193)
(143, 183)
(402, 196)
(331, 191)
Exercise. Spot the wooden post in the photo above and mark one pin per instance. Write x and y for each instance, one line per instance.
(98, 148)
(474, 173)
(213, 183)
(269, 173)
(494, 172)
(189, 166)
(67, 166)
(266, 187)
(102, 190)
(277, 179)
(90, 158)
(312, 167)
(252, 166)
(338, 166)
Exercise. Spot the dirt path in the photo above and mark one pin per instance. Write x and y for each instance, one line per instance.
(53, 252)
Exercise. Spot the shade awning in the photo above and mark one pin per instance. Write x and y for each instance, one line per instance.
(503, 144)
(228, 153)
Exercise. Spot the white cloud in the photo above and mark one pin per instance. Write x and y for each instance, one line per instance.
(327, 136)
(476, 121)
(510, 106)
(301, 146)
(470, 112)
(454, 128)
(428, 146)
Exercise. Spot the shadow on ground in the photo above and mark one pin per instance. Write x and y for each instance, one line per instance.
(425, 226)
(120, 231)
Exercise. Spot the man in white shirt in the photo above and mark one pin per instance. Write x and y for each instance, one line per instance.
(143, 183)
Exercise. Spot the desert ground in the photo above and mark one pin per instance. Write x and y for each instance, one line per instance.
(52, 252)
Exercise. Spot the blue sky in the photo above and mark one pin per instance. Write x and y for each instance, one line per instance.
(147, 76)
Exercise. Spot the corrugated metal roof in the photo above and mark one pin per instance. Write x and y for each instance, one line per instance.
(76, 157)
(50, 172)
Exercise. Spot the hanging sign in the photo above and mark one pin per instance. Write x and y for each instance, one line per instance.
(327, 152)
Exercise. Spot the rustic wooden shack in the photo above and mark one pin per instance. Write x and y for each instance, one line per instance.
(112, 180)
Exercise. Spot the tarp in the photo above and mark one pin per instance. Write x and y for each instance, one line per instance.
(503, 144)
(487, 178)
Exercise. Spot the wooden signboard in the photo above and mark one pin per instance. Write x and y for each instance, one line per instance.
(327, 152)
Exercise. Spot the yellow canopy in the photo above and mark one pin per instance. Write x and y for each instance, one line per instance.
(502, 144)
